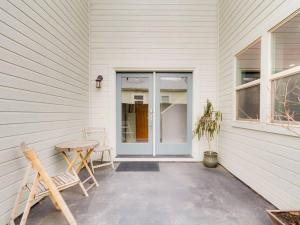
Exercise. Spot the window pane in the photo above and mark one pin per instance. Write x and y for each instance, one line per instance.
(135, 97)
(286, 45)
(165, 99)
(286, 98)
(249, 64)
(173, 109)
(248, 103)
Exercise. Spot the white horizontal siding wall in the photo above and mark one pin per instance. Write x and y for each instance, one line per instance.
(154, 35)
(44, 84)
(268, 162)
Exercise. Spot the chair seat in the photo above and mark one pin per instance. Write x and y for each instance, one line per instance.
(62, 181)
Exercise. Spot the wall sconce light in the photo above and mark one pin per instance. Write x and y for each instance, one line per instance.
(98, 81)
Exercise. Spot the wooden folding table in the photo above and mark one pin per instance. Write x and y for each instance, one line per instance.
(82, 150)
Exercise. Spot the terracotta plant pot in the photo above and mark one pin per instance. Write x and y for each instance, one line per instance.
(284, 217)
(210, 159)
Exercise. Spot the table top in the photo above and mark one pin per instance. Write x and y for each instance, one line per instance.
(76, 145)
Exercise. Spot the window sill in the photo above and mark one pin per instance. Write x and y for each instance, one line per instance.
(266, 127)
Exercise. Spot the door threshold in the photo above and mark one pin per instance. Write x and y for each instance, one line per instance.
(164, 158)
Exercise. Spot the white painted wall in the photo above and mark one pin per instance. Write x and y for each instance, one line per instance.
(154, 35)
(44, 86)
(268, 162)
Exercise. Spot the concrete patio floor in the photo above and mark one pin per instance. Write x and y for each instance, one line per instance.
(180, 194)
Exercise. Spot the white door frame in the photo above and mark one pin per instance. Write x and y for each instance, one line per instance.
(153, 71)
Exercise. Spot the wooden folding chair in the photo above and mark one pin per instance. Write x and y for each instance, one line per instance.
(99, 134)
(43, 185)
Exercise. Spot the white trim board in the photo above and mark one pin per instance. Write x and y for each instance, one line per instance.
(154, 159)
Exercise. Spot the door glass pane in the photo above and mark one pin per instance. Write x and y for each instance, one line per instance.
(173, 109)
(135, 107)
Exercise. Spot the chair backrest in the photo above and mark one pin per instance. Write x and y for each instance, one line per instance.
(33, 158)
(96, 134)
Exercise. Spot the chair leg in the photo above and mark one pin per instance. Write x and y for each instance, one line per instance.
(16, 206)
(92, 165)
(102, 156)
(111, 159)
(57, 197)
(29, 200)
(64, 208)
(54, 202)
(19, 196)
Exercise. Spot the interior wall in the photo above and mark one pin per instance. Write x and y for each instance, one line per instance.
(151, 35)
(44, 85)
(267, 162)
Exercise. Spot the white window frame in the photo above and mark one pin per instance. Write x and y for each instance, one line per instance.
(284, 73)
(169, 98)
(238, 87)
(277, 76)
(266, 77)
(136, 100)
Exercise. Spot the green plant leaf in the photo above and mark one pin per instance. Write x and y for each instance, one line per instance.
(209, 123)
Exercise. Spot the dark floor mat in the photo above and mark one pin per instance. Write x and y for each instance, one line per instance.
(138, 167)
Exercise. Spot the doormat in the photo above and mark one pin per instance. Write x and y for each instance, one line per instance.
(138, 167)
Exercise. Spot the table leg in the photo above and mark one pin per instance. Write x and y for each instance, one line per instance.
(85, 158)
(71, 163)
(71, 168)
(84, 161)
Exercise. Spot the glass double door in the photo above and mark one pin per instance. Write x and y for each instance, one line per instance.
(154, 113)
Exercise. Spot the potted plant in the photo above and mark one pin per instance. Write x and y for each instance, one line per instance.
(209, 126)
